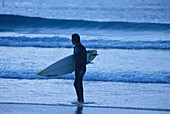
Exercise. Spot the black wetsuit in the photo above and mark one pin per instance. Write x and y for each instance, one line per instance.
(80, 69)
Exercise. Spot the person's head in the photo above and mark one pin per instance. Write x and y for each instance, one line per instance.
(75, 39)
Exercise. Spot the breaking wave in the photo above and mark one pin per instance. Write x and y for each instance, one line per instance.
(63, 42)
(12, 22)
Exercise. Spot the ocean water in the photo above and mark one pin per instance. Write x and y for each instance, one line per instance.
(131, 74)
(132, 38)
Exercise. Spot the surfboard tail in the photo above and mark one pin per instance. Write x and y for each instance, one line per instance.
(41, 73)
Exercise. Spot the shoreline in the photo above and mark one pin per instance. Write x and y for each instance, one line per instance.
(71, 79)
(71, 105)
(52, 109)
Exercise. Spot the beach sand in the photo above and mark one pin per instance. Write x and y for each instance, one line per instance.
(55, 96)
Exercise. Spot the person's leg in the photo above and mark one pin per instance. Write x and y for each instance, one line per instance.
(78, 85)
(81, 74)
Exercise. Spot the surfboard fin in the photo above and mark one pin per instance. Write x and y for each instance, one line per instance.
(90, 62)
(95, 54)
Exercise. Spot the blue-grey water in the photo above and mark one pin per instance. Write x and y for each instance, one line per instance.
(132, 38)
(131, 74)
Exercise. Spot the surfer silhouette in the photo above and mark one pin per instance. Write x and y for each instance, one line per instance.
(80, 66)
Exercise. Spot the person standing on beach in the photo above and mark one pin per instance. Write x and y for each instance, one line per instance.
(80, 66)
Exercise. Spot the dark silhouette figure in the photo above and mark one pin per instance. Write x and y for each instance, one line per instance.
(80, 66)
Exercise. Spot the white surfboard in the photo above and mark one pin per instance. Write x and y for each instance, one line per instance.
(65, 65)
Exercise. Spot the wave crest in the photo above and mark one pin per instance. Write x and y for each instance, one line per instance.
(62, 42)
(8, 22)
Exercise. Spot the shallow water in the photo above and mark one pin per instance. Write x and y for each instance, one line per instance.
(59, 92)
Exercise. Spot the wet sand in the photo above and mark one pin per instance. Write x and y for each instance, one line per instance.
(55, 96)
